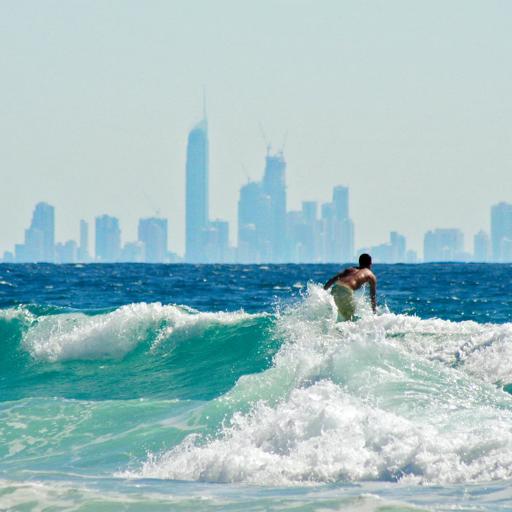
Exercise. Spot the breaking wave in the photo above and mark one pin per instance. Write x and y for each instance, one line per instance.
(286, 398)
(388, 397)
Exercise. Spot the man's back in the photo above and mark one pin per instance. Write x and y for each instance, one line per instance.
(352, 279)
(355, 277)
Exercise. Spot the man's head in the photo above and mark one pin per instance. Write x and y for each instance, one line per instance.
(365, 261)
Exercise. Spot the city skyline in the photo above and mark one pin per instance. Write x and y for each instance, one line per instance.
(267, 231)
(385, 98)
(309, 235)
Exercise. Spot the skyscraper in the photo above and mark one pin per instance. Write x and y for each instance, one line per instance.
(274, 185)
(254, 224)
(196, 215)
(39, 237)
(44, 220)
(83, 249)
(481, 246)
(303, 231)
(443, 245)
(398, 244)
(392, 252)
(152, 232)
(501, 229)
(340, 202)
(337, 228)
(108, 239)
(216, 241)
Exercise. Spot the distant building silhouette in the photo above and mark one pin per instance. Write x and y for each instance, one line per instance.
(501, 231)
(39, 243)
(444, 245)
(66, 252)
(132, 252)
(83, 249)
(411, 256)
(108, 239)
(481, 247)
(253, 224)
(395, 251)
(274, 185)
(398, 244)
(8, 257)
(337, 238)
(304, 234)
(216, 242)
(196, 215)
(152, 232)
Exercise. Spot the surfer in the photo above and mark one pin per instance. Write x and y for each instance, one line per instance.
(345, 283)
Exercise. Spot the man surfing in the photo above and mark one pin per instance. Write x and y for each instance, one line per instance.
(345, 283)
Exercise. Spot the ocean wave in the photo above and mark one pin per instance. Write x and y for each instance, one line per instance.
(388, 397)
(321, 434)
(75, 336)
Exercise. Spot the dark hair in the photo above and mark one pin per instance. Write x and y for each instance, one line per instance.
(365, 260)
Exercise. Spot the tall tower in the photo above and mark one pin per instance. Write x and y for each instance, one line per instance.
(501, 229)
(196, 215)
(152, 233)
(83, 250)
(108, 239)
(343, 227)
(274, 185)
(40, 237)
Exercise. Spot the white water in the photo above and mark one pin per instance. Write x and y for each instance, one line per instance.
(388, 397)
(112, 335)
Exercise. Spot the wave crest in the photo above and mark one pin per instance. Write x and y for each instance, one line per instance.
(388, 397)
(112, 335)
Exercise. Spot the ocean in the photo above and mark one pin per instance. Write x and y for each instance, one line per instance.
(232, 387)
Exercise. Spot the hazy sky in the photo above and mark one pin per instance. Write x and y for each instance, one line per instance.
(409, 103)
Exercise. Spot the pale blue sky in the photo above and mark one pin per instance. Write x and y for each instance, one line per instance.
(408, 103)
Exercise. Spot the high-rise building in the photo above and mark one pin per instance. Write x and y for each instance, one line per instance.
(39, 244)
(481, 246)
(303, 234)
(44, 221)
(274, 185)
(340, 202)
(444, 245)
(392, 252)
(8, 257)
(337, 228)
(83, 249)
(254, 224)
(411, 256)
(196, 215)
(108, 239)
(152, 232)
(132, 252)
(327, 233)
(398, 244)
(216, 242)
(501, 229)
(66, 252)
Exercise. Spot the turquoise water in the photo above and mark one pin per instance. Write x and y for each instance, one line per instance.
(134, 387)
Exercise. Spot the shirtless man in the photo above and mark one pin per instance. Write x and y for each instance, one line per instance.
(345, 283)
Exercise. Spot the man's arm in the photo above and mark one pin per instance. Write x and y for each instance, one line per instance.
(331, 281)
(373, 292)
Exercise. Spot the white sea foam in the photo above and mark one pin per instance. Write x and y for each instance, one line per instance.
(322, 434)
(112, 335)
(17, 313)
(388, 397)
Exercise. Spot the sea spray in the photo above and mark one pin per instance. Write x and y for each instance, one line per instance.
(137, 350)
(112, 335)
(312, 413)
(343, 403)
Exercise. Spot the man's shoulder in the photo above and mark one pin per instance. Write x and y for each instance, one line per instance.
(369, 275)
